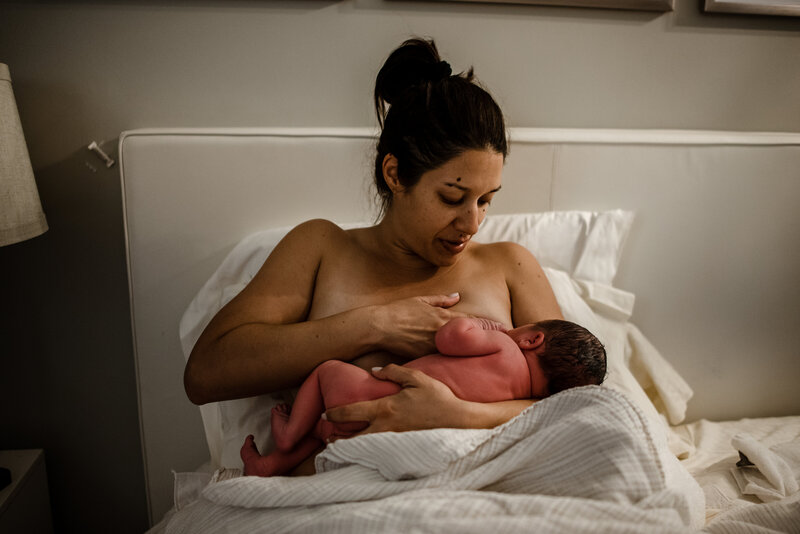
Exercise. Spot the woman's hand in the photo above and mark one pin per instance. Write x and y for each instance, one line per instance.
(408, 326)
(423, 403)
(372, 360)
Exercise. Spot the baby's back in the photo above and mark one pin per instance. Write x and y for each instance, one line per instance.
(502, 375)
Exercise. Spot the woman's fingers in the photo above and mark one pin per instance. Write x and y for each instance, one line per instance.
(424, 402)
(408, 326)
(358, 411)
(359, 418)
(369, 410)
(375, 412)
(404, 376)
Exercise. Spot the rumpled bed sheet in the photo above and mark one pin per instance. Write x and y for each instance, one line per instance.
(584, 460)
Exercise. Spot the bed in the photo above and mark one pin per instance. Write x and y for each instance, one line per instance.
(675, 247)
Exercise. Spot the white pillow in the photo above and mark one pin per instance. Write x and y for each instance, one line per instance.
(585, 245)
(656, 388)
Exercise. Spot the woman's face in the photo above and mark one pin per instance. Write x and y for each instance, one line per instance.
(441, 213)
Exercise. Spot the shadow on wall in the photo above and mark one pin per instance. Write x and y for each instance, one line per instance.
(68, 383)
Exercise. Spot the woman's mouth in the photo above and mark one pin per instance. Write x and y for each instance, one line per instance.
(454, 247)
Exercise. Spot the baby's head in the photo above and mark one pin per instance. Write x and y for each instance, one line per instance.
(568, 354)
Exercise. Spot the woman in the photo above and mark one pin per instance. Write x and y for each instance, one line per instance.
(377, 295)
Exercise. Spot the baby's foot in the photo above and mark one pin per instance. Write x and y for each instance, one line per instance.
(256, 465)
(250, 456)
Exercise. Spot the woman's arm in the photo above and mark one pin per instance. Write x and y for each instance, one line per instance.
(261, 341)
(532, 298)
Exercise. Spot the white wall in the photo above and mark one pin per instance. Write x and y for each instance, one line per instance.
(86, 70)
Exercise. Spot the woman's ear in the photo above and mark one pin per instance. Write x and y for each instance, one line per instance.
(390, 173)
(532, 340)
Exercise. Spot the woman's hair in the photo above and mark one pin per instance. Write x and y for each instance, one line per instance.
(572, 356)
(429, 116)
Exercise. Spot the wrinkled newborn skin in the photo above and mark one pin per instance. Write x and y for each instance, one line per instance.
(478, 360)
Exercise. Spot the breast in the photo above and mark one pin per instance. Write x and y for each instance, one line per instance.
(351, 279)
(487, 302)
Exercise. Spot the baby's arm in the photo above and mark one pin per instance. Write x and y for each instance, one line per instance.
(470, 337)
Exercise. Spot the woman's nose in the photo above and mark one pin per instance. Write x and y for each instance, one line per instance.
(469, 220)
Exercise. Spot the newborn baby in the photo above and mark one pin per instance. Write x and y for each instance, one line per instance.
(479, 360)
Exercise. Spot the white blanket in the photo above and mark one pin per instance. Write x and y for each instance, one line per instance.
(584, 460)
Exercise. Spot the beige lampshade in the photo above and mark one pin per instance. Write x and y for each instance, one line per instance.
(21, 215)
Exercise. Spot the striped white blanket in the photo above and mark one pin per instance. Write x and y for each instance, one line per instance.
(584, 460)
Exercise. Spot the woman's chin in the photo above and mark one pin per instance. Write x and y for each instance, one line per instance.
(447, 255)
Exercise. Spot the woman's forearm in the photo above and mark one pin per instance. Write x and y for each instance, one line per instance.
(490, 415)
(257, 358)
(423, 403)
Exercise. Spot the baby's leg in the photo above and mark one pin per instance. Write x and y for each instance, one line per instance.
(331, 384)
(291, 424)
(278, 462)
(281, 431)
(346, 383)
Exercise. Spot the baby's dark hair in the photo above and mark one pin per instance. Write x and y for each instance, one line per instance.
(572, 356)
(428, 116)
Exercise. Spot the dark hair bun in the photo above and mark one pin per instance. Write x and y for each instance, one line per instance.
(414, 64)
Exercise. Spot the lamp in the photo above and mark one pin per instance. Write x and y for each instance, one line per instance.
(21, 215)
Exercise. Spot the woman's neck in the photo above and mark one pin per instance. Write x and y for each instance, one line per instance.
(386, 241)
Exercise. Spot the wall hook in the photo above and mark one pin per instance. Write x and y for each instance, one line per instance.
(94, 147)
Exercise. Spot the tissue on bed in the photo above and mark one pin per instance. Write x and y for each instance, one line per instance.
(775, 471)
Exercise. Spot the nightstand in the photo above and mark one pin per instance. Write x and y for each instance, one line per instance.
(25, 503)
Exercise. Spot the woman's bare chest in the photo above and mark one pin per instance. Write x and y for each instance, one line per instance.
(354, 280)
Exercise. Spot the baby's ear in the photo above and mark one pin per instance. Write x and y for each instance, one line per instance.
(532, 340)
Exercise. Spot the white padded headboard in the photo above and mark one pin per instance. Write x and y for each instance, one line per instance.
(713, 256)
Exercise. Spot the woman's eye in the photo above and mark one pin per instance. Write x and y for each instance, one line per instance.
(451, 201)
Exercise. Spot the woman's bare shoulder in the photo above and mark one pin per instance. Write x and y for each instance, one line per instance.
(314, 237)
(317, 229)
(532, 297)
(503, 253)
(516, 262)
(301, 250)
